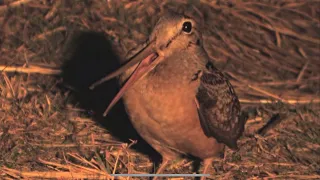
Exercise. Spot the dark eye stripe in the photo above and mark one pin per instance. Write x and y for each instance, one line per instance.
(173, 38)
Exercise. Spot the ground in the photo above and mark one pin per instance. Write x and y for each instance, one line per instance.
(51, 124)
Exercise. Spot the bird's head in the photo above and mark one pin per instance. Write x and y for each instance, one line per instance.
(172, 33)
(175, 32)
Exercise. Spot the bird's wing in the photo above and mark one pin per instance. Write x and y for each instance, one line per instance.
(219, 108)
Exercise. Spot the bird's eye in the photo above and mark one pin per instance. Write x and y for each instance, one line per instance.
(187, 27)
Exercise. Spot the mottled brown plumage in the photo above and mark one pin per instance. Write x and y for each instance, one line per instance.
(219, 108)
(176, 99)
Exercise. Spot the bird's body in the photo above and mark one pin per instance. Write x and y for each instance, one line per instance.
(176, 99)
(163, 110)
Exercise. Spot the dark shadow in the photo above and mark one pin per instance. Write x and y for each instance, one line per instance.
(89, 57)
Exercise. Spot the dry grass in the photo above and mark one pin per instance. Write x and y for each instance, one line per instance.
(269, 49)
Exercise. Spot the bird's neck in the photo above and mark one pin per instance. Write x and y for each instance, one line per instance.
(179, 67)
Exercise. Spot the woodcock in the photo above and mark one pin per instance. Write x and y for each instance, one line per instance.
(176, 99)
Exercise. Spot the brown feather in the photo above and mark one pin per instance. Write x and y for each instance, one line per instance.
(219, 108)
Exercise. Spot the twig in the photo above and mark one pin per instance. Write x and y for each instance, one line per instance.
(49, 103)
(278, 37)
(30, 69)
(53, 11)
(9, 84)
(302, 71)
(79, 158)
(48, 33)
(289, 101)
(13, 5)
(265, 92)
(304, 66)
(68, 165)
(61, 166)
(116, 163)
(99, 162)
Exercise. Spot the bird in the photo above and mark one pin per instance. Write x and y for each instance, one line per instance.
(176, 99)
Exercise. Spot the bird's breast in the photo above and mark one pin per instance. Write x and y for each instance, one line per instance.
(167, 93)
(167, 114)
(165, 101)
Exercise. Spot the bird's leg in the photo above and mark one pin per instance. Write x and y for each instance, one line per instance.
(162, 166)
(206, 165)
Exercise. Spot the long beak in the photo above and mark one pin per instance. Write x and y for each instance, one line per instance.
(147, 59)
(142, 54)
